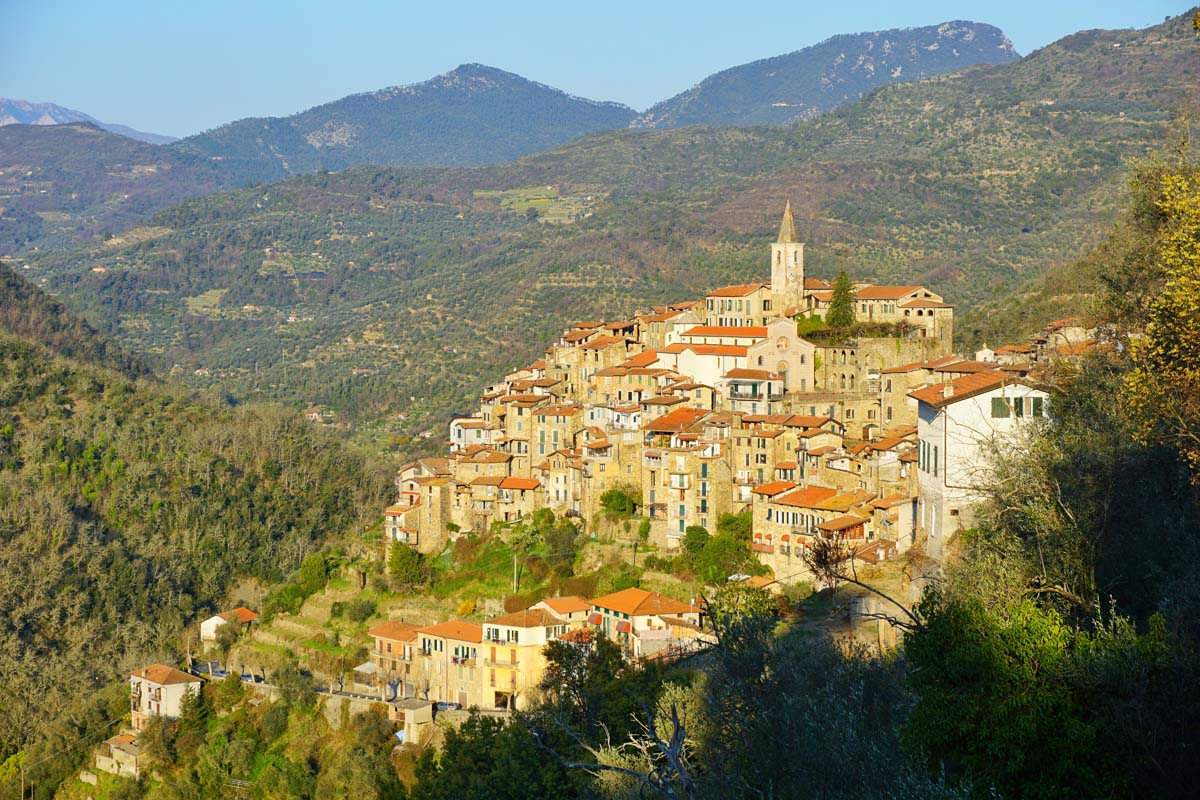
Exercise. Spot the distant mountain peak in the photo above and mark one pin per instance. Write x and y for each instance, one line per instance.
(839, 70)
(23, 112)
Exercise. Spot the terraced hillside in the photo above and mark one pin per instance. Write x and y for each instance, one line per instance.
(384, 291)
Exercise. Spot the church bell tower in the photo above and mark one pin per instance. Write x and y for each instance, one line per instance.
(787, 266)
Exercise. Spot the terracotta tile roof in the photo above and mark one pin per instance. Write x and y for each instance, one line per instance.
(529, 618)
(455, 629)
(487, 480)
(773, 488)
(809, 497)
(676, 421)
(816, 283)
(564, 410)
(643, 359)
(820, 451)
(966, 365)
(616, 326)
(394, 630)
(1014, 349)
(242, 614)
(580, 636)
(891, 500)
(663, 400)
(570, 604)
(639, 602)
(752, 374)
(804, 421)
(588, 325)
(961, 388)
(662, 316)
(397, 509)
(523, 484)
(937, 362)
(601, 342)
(163, 675)
(822, 296)
(745, 332)
(884, 292)
(736, 291)
(578, 336)
(786, 465)
(841, 523)
(706, 349)
(925, 304)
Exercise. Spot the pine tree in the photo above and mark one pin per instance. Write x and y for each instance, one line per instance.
(841, 307)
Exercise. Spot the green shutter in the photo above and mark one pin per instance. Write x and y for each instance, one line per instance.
(1019, 406)
(1037, 406)
(999, 408)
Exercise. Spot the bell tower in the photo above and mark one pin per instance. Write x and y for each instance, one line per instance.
(787, 266)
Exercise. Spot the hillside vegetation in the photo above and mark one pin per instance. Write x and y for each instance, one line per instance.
(60, 184)
(428, 286)
(128, 509)
(839, 70)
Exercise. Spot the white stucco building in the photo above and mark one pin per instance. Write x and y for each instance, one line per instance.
(958, 423)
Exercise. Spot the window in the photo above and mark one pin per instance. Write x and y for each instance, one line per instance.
(935, 461)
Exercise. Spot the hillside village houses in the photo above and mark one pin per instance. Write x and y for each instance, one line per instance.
(717, 405)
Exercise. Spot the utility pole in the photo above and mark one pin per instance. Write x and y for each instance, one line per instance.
(514, 573)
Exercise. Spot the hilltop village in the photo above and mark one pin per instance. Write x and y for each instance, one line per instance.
(719, 405)
(874, 435)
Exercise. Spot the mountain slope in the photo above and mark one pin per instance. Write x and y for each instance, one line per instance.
(836, 71)
(63, 183)
(140, 506)
(23, 112)
(375, 291)
(471, 115)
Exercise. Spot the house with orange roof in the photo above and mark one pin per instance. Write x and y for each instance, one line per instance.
(122, 755)
(959, 423)
(513, 654)
(449, 653)
(645, 623)
(745, 305)
(157, 691)
(395, 655)
(210, 626)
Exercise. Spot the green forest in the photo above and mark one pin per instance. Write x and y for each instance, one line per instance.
(128, 508)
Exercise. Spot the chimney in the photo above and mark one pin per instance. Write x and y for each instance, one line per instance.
(947, 390)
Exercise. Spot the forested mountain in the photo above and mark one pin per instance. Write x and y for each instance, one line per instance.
(128, 508)
(374, 290)
(474, 114)
(60, 184)
(839, 70)
(22, 112)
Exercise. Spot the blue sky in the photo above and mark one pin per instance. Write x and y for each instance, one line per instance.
(180, 66)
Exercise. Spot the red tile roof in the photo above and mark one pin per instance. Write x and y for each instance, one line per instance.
(529, 618)
(706, 349)
(752, 374)
(455, 629)
(736, 291)
(638, 602)
(676, 421)
(942, 395)
(163, 675)
(570, 604)
(643, 359)
(394, 630)
(242, 614)
(809, 497)
(884, 292)
(774, 488)
(841, 523)
(523, 484)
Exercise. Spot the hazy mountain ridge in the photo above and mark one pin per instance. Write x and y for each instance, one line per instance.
(471, 115)
(23, 112)
(841, 69)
